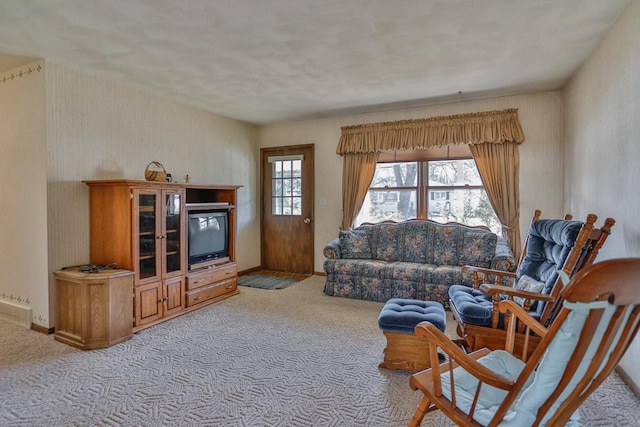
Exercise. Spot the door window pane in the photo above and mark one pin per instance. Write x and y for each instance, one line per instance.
(276, 206)
(297, 206)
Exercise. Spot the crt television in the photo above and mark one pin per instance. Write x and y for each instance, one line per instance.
(208, 237)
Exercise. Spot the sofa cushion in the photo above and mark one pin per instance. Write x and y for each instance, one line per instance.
(354, 244)
(409, 271)
(446, 274)
(478, 248)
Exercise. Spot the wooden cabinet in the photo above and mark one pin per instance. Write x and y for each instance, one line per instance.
(159, 240)
(142, 226)
(91, 309)
(154, 301)
(159, 253)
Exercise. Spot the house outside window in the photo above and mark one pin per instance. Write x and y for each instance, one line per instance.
(443, 190)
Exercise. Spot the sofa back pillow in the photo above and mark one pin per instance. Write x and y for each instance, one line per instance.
(477, 248)
(444, 242)
(385, 242)
(415, 241)
(355, 244)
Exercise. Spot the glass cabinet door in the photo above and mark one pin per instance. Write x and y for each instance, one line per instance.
(172, 235)
(147, 235)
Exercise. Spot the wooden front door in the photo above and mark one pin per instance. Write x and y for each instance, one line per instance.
(287, 208)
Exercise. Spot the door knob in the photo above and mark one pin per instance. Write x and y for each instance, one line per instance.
(307, 220)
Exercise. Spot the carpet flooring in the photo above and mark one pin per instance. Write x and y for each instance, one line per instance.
(294, 357)
(264, 281)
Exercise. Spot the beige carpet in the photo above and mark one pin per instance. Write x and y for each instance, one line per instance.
(291, 357)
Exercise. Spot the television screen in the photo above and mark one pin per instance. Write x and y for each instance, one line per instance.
(207, 236)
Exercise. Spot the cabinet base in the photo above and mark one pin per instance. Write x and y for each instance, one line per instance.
(75, 342)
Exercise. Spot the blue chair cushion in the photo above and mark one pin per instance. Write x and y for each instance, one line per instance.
(471, 305)
(549, 244)
(403, 315)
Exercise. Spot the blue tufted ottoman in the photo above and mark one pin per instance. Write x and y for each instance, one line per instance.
(397, 320)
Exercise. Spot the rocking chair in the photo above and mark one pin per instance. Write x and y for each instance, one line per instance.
(599, 318)
(551, 245)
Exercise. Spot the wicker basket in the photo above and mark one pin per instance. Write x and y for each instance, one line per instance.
(155, 172)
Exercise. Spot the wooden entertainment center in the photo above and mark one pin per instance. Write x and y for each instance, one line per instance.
(143, 227)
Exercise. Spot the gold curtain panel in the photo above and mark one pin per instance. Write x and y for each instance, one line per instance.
(474, 128)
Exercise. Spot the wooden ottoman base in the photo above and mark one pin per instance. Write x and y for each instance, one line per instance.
(406, 351)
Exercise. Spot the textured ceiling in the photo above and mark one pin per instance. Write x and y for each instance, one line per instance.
(262, 61)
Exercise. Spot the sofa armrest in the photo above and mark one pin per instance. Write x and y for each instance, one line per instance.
(503, 258)
(332, 250)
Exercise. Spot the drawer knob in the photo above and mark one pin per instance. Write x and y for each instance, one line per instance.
(198, 297)
(230, 287)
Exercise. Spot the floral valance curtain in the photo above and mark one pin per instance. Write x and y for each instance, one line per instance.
(475, 128)
(493, 135)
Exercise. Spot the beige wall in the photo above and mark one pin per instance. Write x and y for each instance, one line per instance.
(98, 129)
(540, 154)
(23, 199)
(602, 143)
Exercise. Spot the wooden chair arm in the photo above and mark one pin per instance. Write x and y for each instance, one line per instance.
(491, 290)
(525, 319)
(478, 273)
(458, 356)
(473, 268)
(523, 316)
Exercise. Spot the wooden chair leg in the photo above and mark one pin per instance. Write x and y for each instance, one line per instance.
(421, 410)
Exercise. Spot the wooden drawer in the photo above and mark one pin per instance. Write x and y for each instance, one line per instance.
(208, 292)
(207, 277)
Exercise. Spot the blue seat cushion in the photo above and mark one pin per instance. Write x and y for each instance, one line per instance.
(471, 305)
(403, 315)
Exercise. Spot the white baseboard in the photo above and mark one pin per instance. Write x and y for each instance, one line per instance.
(15, 314)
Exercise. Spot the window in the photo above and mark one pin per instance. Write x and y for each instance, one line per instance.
(286, 187)
(443, 190)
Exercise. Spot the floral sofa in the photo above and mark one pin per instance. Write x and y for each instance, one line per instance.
(413, 259)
